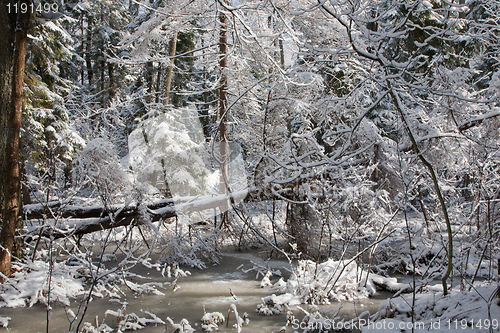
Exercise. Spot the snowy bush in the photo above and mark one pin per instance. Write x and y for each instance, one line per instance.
(98, 165)
(331, 280)
(268, 309)
(314, 320)
(166, 151)
(4, 321)
(131, 321)
(29, 285)
(192, 248)
(212, 317)
(182, 327)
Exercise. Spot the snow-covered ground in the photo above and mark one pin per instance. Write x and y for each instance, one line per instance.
(474, 310)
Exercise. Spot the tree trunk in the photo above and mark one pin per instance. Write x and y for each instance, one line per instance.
(132, 7)
(103, 82)
(112, 85)
(88, 61)
(462, 13)
(103, 76)
(12, 189)
(149, 79)
(83, 50)
(223, 110)
(6, 57)
(172, 45)
(91, 219)
(158, 83)
(498, 287)
(437, 188)
(282, 53)
(302, 221)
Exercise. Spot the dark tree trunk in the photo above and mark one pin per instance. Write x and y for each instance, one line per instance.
(12, 172)
(104, 99)
(103, 76)
(132, 7)
(223, 110)
(302, 221)
(172, 46)
(206, 118)
(6, 57)
(149, 79)
(282, 53)
(158, 83)
(462, 13)
(83, 50)
(88, 60)
(112, 85)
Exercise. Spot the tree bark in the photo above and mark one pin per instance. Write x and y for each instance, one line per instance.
(282, 53)
(12, 172)
(158, 83)
(301, 218)
(103, 76)
(462, 13)
(223, 131)
(88, 60)
(172, 46)
(104, 100)
(149, 79)
(112, 85)
(6, 57)
(83, 50)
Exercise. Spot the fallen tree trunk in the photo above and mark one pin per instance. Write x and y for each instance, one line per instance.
(62, 219)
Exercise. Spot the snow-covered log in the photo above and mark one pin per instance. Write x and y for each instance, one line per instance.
(79, 220)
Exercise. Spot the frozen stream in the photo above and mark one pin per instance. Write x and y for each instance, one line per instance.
(209, 289)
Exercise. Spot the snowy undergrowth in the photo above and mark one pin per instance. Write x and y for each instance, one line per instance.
(182, 327)
(211, 321)
(429, 254)
(331, 280)
(321, 283)
(125, 322)
(467, 311)
(190, 248)
(29, 284)
(4, 321)
(70, 280)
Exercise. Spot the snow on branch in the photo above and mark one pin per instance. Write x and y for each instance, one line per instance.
(478, 120)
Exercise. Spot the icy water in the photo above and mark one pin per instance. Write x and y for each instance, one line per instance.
(207, 290)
